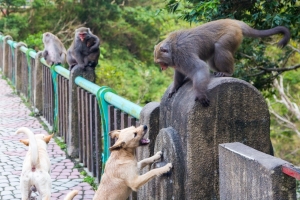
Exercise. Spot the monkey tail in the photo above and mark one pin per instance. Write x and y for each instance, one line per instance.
(250, 32)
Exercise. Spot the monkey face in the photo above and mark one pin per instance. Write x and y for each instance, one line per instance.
(82, 36)
(82, 33)
(46, 37)
(162, 56)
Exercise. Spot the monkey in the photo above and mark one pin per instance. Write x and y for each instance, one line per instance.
(212, 44)
(54, 51)
(94, 54)
(84, 50)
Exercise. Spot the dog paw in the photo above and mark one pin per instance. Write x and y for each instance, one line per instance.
(169, 166)
(157, 156)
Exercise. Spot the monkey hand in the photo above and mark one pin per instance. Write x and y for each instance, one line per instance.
(94, 49)
(203, 100)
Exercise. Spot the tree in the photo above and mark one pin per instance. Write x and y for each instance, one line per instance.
(11, 6)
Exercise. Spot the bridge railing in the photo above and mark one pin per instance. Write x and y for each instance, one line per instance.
(46, 88)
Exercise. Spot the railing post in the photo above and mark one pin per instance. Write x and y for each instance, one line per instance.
(5, 54)
(149, 116)
(18, 66)
(72, 139)
(246, 173)
(38, 83)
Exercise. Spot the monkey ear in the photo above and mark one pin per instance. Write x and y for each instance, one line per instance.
(164, 50)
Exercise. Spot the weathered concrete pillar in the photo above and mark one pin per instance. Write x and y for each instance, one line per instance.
(237, 113)
(18, 66)
(246, 173)
(73, 135)
(38, 83)
(149, 116)
(5, 54)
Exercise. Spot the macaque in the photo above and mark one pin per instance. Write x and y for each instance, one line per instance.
(213, 44)
(84, 50)
(54, 50)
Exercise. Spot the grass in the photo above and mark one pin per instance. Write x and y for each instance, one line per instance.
(89, 179)
(61, 144)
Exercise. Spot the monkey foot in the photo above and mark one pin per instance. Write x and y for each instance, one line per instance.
(204, 101)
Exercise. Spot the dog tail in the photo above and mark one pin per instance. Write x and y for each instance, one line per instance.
(32, 145)
(71, 195)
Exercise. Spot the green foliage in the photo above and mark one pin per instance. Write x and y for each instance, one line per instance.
(13, 25)
(135, 80)
(88, 179)
(61, 144)
(35, 42)
(127, 33)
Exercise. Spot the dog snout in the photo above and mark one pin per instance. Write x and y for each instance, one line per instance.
(145, 127)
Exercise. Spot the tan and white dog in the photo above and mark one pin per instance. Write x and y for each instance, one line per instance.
(121, 174)
(36, 165)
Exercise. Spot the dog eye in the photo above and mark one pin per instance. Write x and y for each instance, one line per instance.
(135, 134)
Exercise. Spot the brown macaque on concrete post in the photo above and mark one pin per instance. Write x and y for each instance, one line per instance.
(18, 66)
(87, 73)
(212, 45)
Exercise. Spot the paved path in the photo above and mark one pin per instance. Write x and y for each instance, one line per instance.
(14, 114)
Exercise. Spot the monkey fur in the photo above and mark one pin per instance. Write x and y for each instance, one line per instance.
(54, 50)
(213, 44)
(84, 50)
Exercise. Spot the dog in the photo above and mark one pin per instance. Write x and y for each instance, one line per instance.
(36, 166)
(121, 176)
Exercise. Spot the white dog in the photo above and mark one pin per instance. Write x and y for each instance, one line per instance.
(36, 166)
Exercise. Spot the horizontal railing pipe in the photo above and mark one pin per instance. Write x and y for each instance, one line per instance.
(62, 71)
(123, 104)
(12, 43)
(87, 85)
(23, 49)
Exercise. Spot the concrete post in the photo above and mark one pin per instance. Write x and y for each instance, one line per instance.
(246, 173)
(73, 136)
(18, 66)
(38, 83)
(149, 116)
(238, 113)
(5, 54)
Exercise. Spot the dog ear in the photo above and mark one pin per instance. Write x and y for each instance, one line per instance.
(47, 138)
(117, 145)
(114, 134)
(25, 141)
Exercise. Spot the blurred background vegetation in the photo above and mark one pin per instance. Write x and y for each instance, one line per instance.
(129, 29)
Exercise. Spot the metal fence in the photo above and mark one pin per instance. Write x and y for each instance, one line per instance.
(99, 108)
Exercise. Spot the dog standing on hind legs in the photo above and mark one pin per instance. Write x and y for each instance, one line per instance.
(121, 175)
(36, 166)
